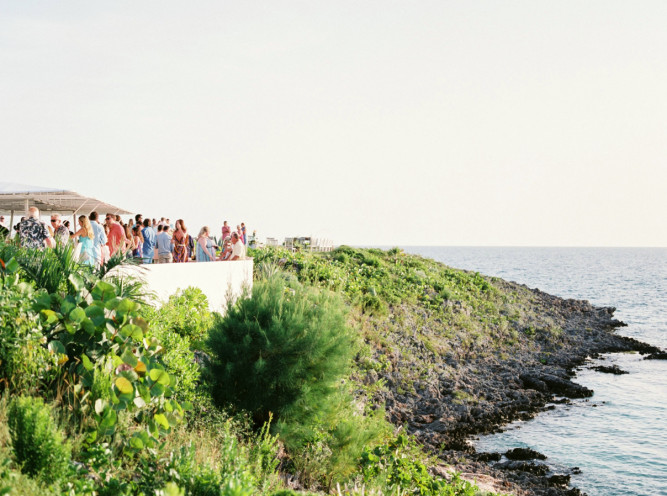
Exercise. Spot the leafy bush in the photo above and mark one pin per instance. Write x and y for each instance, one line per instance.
(372, 304)
(104, 334)
(38, 445)
(330, 449)
(283, 350)
(399, 465)
(24, 360)
(186, 313)
(180, 362)
(180, 324)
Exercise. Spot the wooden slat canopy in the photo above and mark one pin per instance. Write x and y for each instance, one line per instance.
(15, 199)
(18, 197)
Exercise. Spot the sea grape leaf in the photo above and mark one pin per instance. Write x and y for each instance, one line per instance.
(128, 373)
(88, 326)
(140, 368)
(161, 420)
(77, 281)
(67, 306)
(159, 376)
(107, 425)
(87, 364)
(126, 306)
(103, 291)
(124, 386)
(49, 316)
(100, 405)
(96, 314)
(133, 331)
(136, 443)
(157, 389)
(11, 266)
(42, 301)
(140, 322)
(57, 347)
(129, 358)
(112, 303)
(77, 315)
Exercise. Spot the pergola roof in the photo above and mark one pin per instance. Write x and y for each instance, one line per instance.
(13, 197)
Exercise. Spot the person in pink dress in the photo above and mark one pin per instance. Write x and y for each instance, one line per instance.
(226, 230)
(116, 235)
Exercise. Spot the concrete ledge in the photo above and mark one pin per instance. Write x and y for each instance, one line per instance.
(217, 280)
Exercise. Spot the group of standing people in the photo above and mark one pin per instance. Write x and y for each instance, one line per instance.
(94, 242)
(177, 245)
(145, 239)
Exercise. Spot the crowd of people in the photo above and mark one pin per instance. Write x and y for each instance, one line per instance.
(149, 240)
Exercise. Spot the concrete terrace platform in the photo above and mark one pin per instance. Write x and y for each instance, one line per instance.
(219, 281)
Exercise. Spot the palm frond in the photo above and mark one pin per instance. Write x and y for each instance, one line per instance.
(116, 260)
(50, 268)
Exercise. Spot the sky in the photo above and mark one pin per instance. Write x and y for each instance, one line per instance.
(492, 123)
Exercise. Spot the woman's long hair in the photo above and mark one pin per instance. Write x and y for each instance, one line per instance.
(137, 231)
(202, 231)
(85, 223)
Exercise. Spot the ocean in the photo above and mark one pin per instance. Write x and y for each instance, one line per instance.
(617, 438)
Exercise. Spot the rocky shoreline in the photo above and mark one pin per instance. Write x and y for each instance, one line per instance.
(469, 393)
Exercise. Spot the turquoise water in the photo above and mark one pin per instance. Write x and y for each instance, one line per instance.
(618, 438)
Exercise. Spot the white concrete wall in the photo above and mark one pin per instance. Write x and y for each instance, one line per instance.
(217, 280)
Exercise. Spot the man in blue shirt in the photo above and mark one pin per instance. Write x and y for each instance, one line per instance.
(100, 237)
(148, 251)
(164, 245)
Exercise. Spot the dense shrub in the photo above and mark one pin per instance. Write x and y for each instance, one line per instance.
(100, 335)
(186, 313)
(24, 360)
(38, 445)
(400, 466)
(283, 350)
(287, 350)
(180, 325)
(179, 361)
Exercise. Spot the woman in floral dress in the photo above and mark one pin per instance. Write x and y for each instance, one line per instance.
(180, 239)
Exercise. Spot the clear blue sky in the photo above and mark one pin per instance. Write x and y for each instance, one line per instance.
(374, 122)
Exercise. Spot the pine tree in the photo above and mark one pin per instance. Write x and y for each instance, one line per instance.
(284, 351)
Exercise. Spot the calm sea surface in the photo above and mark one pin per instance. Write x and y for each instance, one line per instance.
(618, 438)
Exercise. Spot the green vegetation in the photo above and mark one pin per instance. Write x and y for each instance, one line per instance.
(412, 312)
(296, 343)
(38, 445)
(399, 465)
(104, 395)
